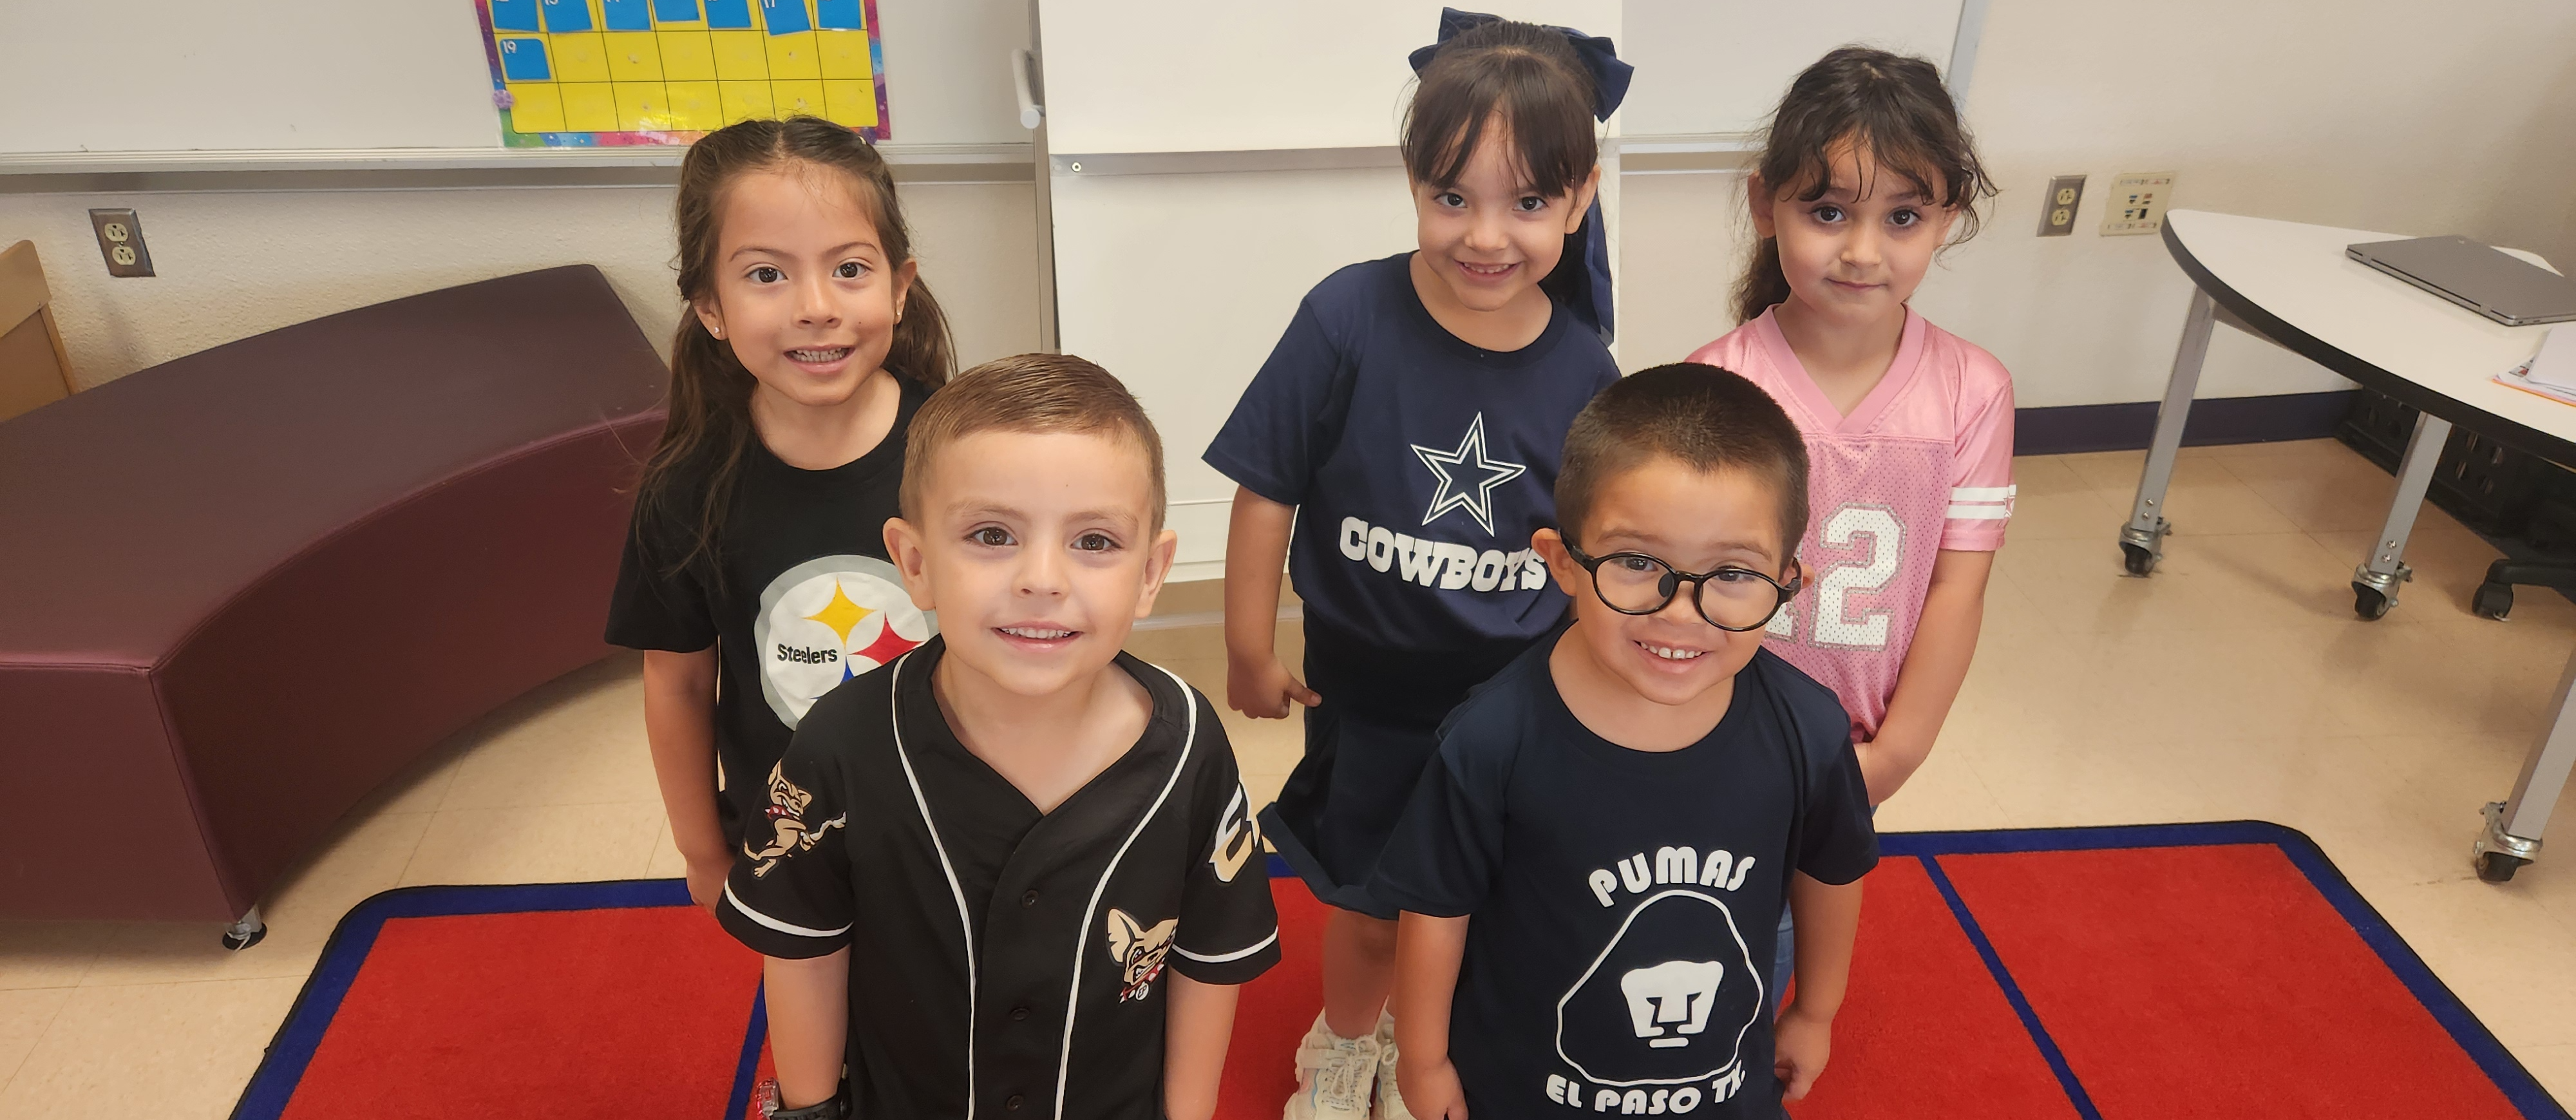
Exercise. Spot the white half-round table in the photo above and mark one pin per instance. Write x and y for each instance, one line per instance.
(2291, 283)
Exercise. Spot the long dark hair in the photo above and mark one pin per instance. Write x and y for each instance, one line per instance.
(1894, 106)
(1530, 77)
(710, 432)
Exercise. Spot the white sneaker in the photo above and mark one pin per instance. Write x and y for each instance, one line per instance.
(1334, 1076)
(1390, 1103)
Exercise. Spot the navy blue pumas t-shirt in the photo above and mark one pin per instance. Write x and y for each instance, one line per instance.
(1421, 464)
(1625, 902)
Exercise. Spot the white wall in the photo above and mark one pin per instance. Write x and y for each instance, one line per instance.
(2373, 114)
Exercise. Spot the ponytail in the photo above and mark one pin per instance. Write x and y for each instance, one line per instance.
(1763, 283)
(709, 431)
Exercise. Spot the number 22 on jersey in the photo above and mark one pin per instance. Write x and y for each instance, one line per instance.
(1832, 623)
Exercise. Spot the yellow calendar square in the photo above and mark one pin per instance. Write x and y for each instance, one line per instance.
(740, 56)
(845, 54)
(794, 56)
(744, 101)
(687, 56)
(589, 107)
(536, 107)
(579, 57)
(643, 107)
(850, 103)
(633, 56)
(798, 98)
(695, 107)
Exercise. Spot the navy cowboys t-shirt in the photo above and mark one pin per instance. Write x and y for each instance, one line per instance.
(1625, 902)
(1420, 465)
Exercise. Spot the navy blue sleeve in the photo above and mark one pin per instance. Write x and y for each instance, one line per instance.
(1289, 418)
(1441, 859)
(1837, 843)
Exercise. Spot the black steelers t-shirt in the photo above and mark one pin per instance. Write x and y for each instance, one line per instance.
(799, 598)
(1625, 902)
(1000, 957)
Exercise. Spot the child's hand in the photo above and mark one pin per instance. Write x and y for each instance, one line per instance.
(1261, 688)
(707, 881)
(1800, 1044)
(1430, 1088)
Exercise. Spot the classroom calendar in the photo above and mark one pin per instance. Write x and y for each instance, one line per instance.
(575, 73)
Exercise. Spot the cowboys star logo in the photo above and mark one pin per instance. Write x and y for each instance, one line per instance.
(1475, 493)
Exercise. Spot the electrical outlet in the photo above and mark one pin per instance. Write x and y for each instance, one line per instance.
(2136, 203)
(120, 240)
(2057, 211)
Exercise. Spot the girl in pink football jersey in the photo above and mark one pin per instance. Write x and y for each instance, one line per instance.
(1866, 174)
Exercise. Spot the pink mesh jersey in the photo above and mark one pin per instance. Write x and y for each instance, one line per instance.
(1922, 464)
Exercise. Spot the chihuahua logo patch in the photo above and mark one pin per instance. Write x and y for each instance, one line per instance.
(789, 834)
(827, 620)
(1140, 951)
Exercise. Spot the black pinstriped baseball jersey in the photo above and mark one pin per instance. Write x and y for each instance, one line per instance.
(1004, 964)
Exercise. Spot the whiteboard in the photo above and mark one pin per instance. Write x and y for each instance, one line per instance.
(266, 75)
(1720, 66)
(1194, 76)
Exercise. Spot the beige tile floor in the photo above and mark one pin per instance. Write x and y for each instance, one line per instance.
(2234, 684)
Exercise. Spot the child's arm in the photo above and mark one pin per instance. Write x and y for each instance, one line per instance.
(1944, 641)
(1427, 952)
(809, 1025)
(1196, 1027)
(1256, 548)
(1828, 918)
(680, 727)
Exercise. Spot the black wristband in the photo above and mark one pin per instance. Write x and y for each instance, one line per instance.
(835, 1107)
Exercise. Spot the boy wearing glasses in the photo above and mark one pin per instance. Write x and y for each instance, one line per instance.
(1622, 810)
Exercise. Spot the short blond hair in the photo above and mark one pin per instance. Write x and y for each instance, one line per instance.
(1029, 393)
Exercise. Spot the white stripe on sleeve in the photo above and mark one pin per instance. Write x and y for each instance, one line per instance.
(1982, 493)
(789, 928)
(1979, 513)
(1239, 954)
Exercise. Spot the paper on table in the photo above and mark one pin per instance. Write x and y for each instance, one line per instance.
(2555, 364)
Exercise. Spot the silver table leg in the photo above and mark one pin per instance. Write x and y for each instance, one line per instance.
(2142, 539)
(2512, 835)
(2374, 583)
(245, 931)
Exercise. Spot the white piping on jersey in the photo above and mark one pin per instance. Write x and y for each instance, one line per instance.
(965, 924)
(789, 928)
(1978, 513)
(1239, 954)
(1982, 493)
(1082, 940)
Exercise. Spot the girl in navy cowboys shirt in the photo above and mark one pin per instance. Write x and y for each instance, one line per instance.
(757, 555)
(1406, 431)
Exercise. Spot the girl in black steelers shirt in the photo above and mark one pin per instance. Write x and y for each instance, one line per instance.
(755, 575)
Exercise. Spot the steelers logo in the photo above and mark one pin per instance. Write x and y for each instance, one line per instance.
(827, 620)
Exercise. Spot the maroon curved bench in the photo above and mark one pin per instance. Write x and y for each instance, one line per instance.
(241, 589)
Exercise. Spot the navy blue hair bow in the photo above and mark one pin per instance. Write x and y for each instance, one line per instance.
(1591, 242)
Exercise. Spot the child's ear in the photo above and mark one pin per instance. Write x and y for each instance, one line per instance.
(903, 546)
(903, 285)
(1158, 564)
(1584, 192)
(1569, 576)
(1757, 197)
(709, 315)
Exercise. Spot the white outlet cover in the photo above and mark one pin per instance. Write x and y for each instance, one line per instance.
(2136, 202)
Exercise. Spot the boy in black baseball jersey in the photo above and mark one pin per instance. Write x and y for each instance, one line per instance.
(1621, 810)
(978, 864)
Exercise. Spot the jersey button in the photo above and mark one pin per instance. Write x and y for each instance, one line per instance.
(1019, 1013)
(1029, 899)
(1015, 1102)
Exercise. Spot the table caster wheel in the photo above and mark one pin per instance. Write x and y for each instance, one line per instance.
(2492, 600)
(2498, 867)
(245, 933)
(2370, 603)
(2137, 559)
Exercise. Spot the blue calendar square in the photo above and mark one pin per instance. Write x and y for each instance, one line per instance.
(675, 11)
(514, 15)
(566, 15)
(785, 17)
(839, 15)
(629, 15)
(524, 60)
(722, 14)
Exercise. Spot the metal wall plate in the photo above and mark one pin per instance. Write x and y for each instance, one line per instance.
(120, 242)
